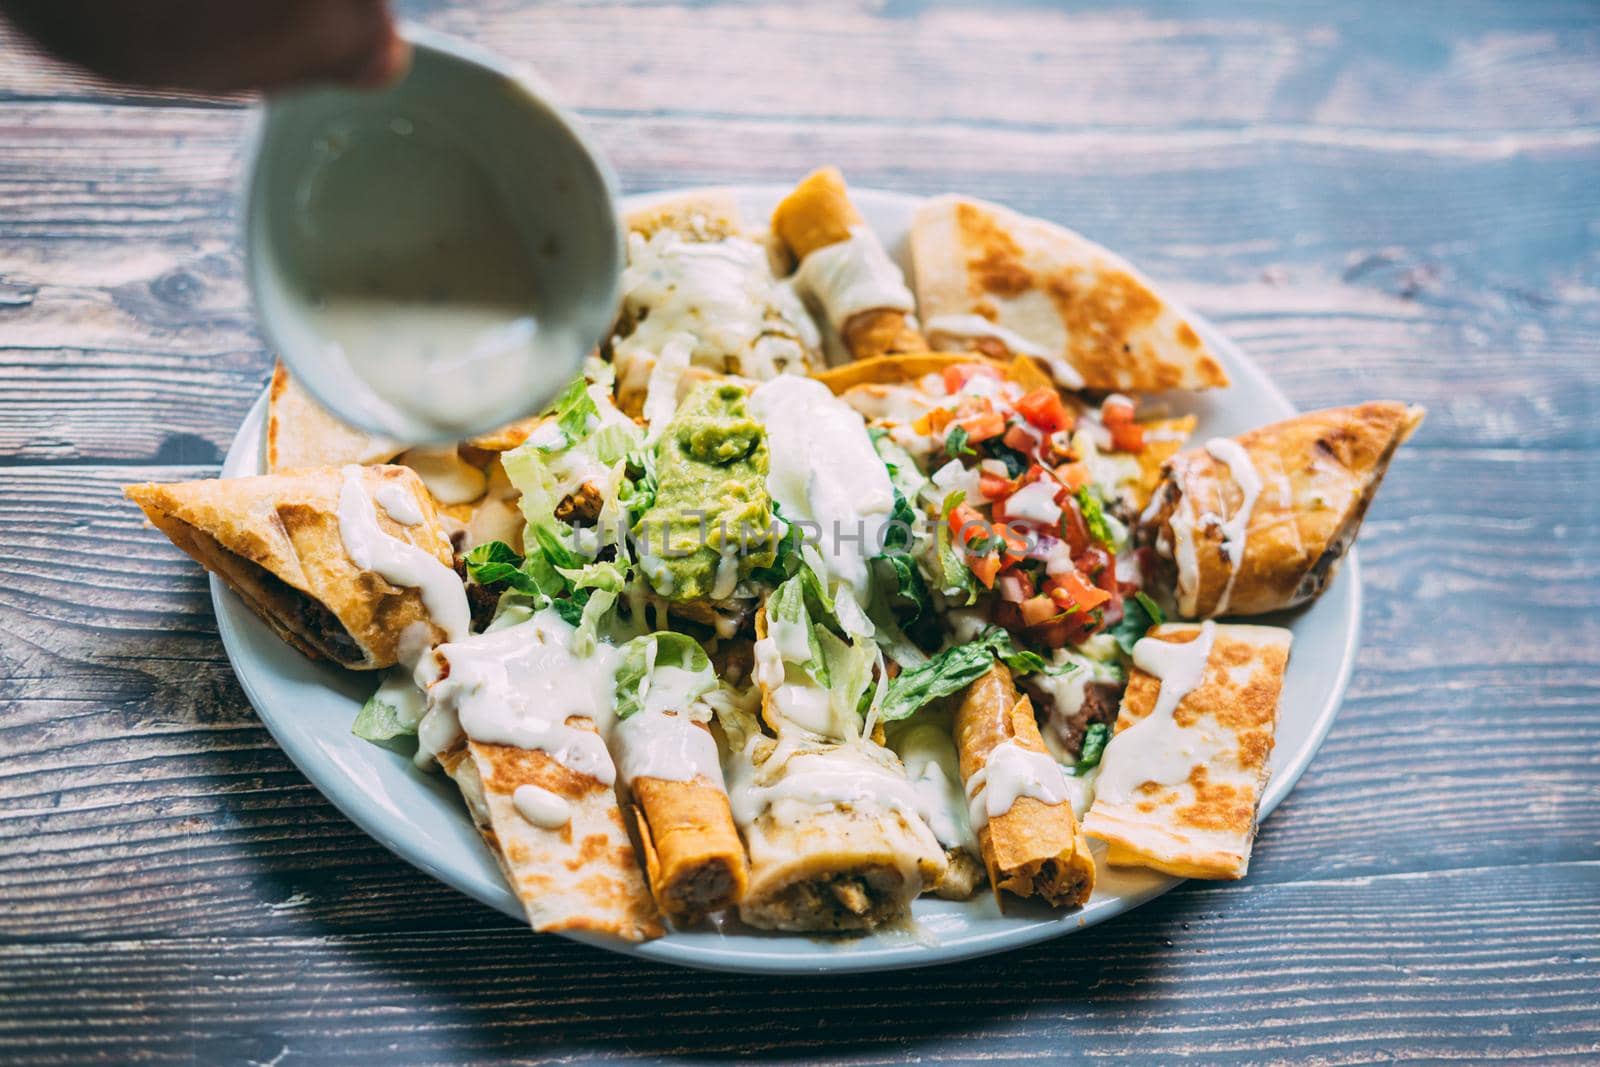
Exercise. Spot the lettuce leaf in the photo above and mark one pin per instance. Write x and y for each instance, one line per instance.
(572, 411)
(1095, 739)
(1139, 613)
(643, 658)
(956, 668)
(1094, 517)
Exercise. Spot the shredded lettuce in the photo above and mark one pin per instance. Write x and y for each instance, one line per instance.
(391, 713)
(645, 661)
(957, 581)
(572, 410)
(790, 626)
(1095, 518)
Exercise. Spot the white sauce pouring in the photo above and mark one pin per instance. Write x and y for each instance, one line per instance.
(853, 276)
(1236, 530)
(400, 562)
(1009, 773)
(824, 470)
(1156, 749)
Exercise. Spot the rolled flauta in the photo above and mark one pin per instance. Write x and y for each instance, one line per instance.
(1020, 805)
(1256, 523)
(283, 543)
(835, 840)
(844, 267)
(692, 853)
(1181, 780)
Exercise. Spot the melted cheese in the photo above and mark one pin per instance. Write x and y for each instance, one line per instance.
(399, 562)
(722, 295)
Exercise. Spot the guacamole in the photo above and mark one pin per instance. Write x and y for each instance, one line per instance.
(712, 517)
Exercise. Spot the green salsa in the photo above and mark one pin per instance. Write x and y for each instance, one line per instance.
(711, 498)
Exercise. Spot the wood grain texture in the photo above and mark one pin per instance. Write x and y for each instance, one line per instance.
(1395, 200)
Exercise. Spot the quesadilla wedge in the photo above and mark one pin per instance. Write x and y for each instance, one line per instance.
(700, 299)
(1005, 284)
(844, 269)
(530, 712)
(1019, 800)
(302, 433)
(1180, 782)
(1256, 523)
(340, 562)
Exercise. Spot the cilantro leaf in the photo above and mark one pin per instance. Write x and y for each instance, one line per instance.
(955, 443)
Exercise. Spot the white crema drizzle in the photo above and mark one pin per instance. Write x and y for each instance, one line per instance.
(1236, 530)
(1156, 748)
(852, 276)
(1012, 772)
(399, 562)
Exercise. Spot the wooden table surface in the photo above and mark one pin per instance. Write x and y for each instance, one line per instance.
(1374, 199)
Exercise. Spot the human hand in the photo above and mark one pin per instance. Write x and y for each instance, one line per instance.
(221, 45)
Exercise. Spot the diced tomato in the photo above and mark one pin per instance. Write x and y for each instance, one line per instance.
(1044, 409)
(1126, 435)
(1069, 590)
(1093, 561)
(995, 487)
(1107, 578)
(1037, 610)
(1073, 475)
(985, 568)
(1016, 548)
(958, 376)
(1032, 474)
(1073, 530)
(967, 525)
(1018, 437)
(982, 426)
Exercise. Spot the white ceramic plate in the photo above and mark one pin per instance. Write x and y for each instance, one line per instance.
(309, 708)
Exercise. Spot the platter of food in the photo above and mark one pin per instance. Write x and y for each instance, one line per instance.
(904, 580)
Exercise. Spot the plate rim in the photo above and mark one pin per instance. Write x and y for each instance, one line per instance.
(343, 794)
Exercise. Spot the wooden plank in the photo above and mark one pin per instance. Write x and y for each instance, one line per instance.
(1040, 65)
(1494, 963)
(124, 320)
(139, 796)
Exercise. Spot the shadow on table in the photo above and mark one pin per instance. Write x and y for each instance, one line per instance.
(490, 990)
